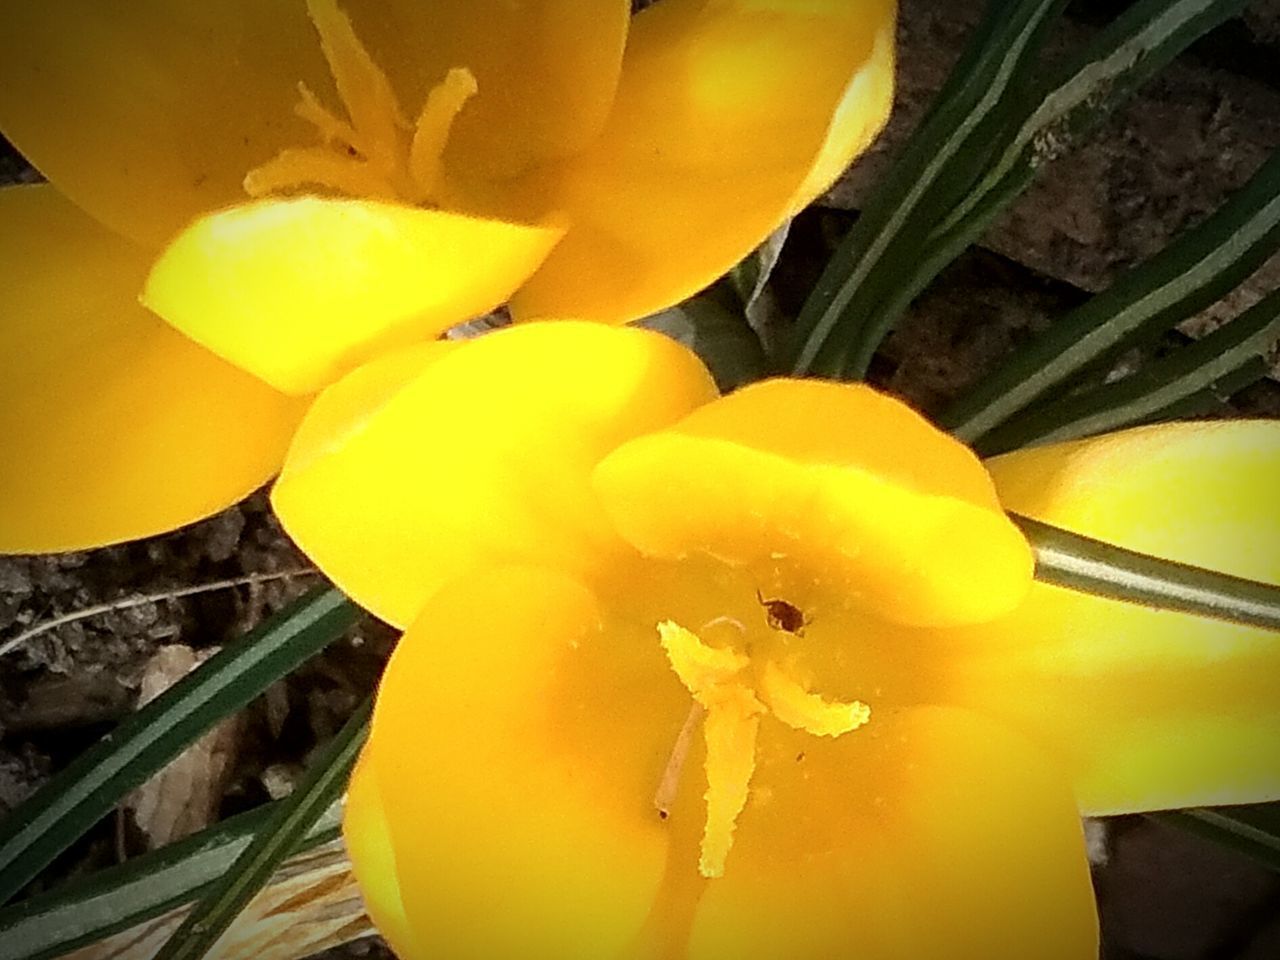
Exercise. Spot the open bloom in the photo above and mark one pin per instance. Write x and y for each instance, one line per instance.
(763, 675)
(381, 171)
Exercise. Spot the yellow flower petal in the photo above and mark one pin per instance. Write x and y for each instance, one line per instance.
(301, 291)
(114, 426)
(941, 836)
(731, 115)
(1149, 709)
(150, 112)
(367, 837)
(503, 779)
(900, 515)
(477, 456)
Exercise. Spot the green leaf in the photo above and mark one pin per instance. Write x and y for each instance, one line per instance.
(92, 908)
(940, 152)
(1090, 566)
(73, 801)
(713, 326)
(276, 840)
(1251, 830)
(1196, 270)
(1062, 109)
(1214, 399)
(1158, 389)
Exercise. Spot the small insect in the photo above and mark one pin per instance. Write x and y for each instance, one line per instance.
(782, 615)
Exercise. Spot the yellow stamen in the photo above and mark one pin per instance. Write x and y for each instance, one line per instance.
(332, 129)
(364, 88)
(700, 668)
(798, 708)
(315, 165)
(372, 155)
(431, 132)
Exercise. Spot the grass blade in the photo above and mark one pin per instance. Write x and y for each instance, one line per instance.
(93, 908)
(73, 801)
(1214, 399)
(278, 838)
(1123, 57)
(910, 274)
(1090, 566)
(1251, 830)
(1196, 270)
(1160, 387)
(1008, 36)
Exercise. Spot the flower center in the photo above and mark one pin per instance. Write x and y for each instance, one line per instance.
(734, 690)
(376, 152)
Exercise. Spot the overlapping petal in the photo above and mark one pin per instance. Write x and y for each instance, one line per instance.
(299, 292)
(1149, 709)
(115, 426)
(727, 110)
(890, 509)
(418, 468)
(730, 116)
(529, 780)
(373, 855)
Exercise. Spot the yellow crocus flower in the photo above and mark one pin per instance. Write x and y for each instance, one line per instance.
(762, 675)
(363, 175)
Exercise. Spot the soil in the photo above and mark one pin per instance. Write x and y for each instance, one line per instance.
(1164, 895)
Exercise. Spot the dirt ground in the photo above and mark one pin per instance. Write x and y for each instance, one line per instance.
(1188, 140)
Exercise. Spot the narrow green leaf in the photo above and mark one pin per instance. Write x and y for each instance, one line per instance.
(1193, 272)
(1251, 830)
(276, 840)
(914, 270)
(95, 782)
(1157, 388)
(1008, 36)
(1090, 566)
(1121, 58)
(1214, 399)
(92, 908)
(1125, 55)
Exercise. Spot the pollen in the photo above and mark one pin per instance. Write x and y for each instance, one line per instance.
(733, 701)
(375, 153)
